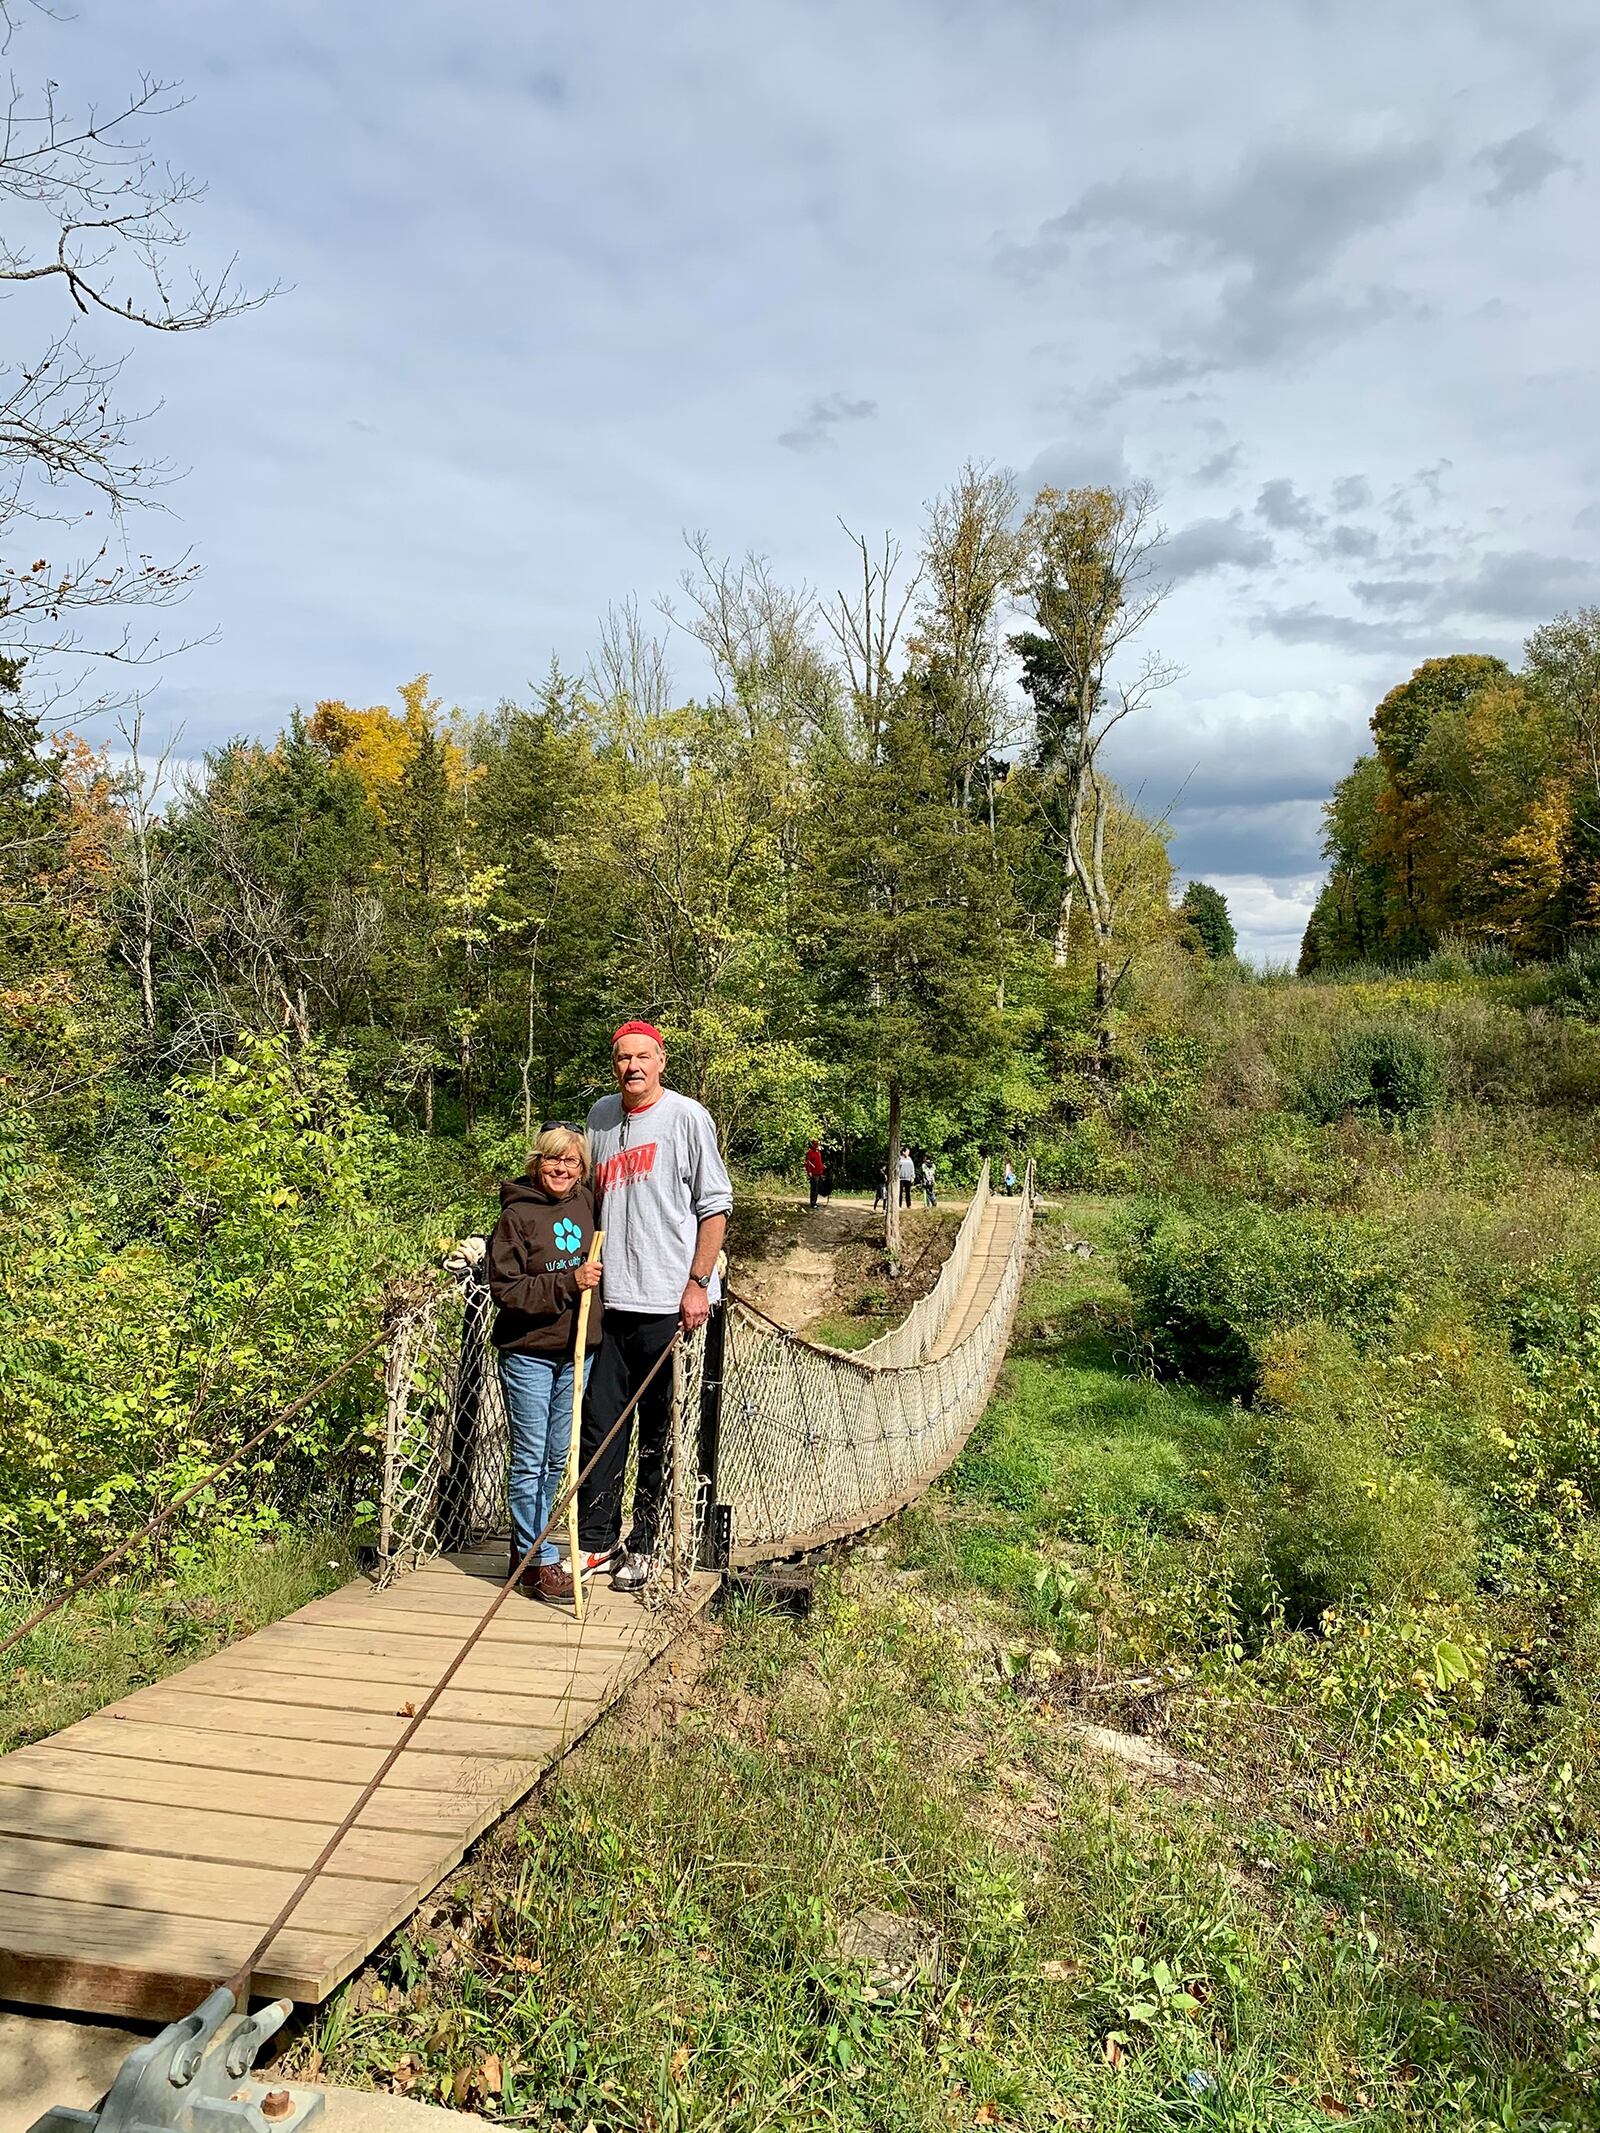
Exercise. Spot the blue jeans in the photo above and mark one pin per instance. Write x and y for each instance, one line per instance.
(538, 1394)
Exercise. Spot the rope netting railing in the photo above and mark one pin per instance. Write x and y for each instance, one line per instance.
(778, 1444)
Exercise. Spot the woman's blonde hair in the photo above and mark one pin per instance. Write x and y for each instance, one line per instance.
(559, 1140)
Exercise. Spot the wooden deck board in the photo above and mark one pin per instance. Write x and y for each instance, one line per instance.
(142, 1849)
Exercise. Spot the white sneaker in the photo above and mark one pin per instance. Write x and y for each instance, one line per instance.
(632, 1572)
(594, 1562)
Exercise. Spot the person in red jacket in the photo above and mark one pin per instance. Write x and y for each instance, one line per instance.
(816, 1171)
(536, 1273)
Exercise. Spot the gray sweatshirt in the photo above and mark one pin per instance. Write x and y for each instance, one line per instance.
(657, 1174)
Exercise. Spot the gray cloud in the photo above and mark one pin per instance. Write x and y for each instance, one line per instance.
(1274, 228)
(1520, 165)
(816, 427)
(1219, 466)
(1508, 585)
(1281, 504)
(1274, 838)
(1409, 639)
(1353, 492)
(1305, 624)
(1350, 544)
(1209, 544)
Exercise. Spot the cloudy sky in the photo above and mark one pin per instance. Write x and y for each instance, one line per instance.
(563, 282)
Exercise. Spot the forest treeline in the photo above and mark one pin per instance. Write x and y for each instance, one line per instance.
(852, 872)
(1477, 816)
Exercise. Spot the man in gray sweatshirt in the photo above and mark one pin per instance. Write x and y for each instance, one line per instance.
(663, 1198)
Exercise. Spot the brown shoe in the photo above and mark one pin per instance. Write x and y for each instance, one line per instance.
(552, 1581)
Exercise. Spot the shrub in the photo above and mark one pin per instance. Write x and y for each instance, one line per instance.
(1210, 1282)
(1572, 986)
(1557, 1342)
(1340, 1518)
(130, 1365)
(1392, 1069)
(1083, 1158)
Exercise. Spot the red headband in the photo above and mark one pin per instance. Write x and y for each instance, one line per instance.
(638, 1029)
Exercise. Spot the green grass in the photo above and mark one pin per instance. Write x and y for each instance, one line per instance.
(847, 1329)
(140, 1628)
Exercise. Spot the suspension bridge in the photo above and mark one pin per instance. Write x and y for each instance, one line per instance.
(249, 1819)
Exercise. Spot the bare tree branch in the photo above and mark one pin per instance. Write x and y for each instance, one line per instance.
(87, 204)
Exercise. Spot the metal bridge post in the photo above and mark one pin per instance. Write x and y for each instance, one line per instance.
(716, 1531)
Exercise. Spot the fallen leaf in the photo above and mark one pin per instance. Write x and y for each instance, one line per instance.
(1055, 1970)
(493, 2075)
(678, 2065)
(987, 2114)
(1112, 2051)
(1333, 2108)
(406, 1710)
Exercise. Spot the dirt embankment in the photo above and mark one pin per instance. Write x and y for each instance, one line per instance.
(801, 1264)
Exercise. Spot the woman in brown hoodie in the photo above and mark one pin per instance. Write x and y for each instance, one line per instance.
(536, 1270)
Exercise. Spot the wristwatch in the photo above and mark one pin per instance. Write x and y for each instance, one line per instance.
(701, 1281)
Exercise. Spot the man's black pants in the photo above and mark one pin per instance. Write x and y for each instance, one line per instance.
(633, 1341)
(905, 1192)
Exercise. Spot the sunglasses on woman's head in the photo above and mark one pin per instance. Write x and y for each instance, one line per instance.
(559, 1125)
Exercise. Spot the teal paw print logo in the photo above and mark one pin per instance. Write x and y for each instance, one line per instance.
(568, 1235)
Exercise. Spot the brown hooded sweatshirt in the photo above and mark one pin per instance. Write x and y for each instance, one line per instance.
(537, 1243)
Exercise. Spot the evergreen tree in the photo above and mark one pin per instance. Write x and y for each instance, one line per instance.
(899, 926)
(1206, 911)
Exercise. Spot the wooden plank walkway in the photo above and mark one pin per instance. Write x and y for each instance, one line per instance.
(997, 1229)
(144, 1850)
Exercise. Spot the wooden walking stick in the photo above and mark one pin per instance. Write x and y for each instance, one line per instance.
(585, 1298)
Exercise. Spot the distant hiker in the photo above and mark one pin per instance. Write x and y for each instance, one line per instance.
(827, 1177)
(816, 1171)
(928, 1175)
(663, 1199)
(908, 1176)
(880, 1191)
(536, 1270)
(1011, 1178)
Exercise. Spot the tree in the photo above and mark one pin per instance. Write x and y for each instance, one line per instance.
(1346, 923)
(1421, 901)
(89, 206)
(970, 554)
(898, 939)
(269, 905)
(1086, 578)
(59, 1017)
(1206, 911)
